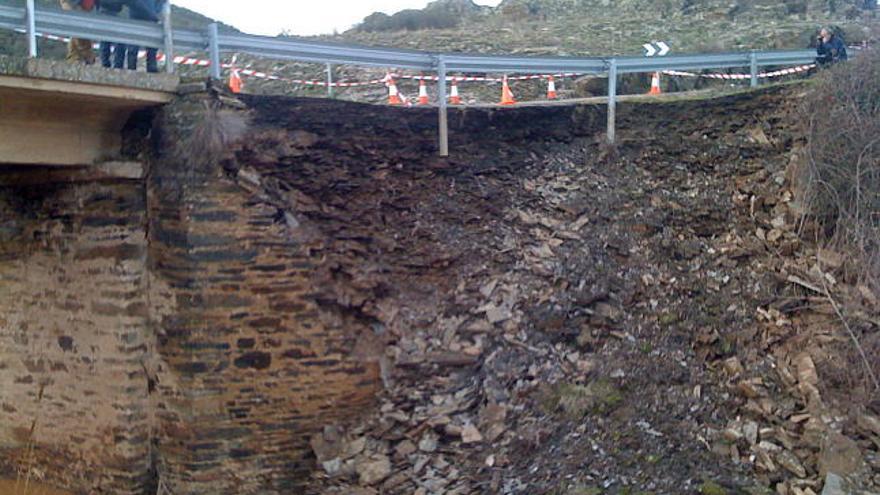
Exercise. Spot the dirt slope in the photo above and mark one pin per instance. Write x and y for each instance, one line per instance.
(551, 316)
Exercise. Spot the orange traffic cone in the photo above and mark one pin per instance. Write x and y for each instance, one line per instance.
(235, 83)
(393, 94)
(551, 89)
(423, 92)
(506, 94)
(655, 84)
(454, 99)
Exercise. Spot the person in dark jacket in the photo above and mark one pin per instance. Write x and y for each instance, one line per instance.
(109, 48)
(831, 48)
(144, 10)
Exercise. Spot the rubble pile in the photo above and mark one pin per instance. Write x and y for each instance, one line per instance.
(550, 316)
(809, 411)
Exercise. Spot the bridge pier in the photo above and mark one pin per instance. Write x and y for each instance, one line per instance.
(74, 329)
(156, 318)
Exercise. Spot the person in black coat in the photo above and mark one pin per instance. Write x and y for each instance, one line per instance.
(122, 54)
(109, 48)
(144, 10)
(831, 48)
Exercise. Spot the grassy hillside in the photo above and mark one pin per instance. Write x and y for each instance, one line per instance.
(597, 27)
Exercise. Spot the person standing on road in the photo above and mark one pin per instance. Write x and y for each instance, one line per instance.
(144, 10)
(109, 48)
(831, 48)
(79, 49)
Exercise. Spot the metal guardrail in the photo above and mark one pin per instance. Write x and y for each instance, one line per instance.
(11, 17)
(120, 30)
(528, 65)
(309, 51)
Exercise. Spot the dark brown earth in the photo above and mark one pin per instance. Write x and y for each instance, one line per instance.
(340, 311)
(552, 315)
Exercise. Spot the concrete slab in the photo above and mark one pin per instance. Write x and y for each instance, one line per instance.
(57, 70)
(57, 113)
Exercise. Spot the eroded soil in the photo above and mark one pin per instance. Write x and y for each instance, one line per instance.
(550, 315)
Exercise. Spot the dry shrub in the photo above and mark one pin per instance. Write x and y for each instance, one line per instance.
(842, 115)
(213, 132)
(842, 118)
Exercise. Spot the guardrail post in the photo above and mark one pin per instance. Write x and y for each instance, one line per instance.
(612, 99)
(441, 95)
(329, 80)
(214, 49)
(31, 20)
(754, 68)
(168, 36)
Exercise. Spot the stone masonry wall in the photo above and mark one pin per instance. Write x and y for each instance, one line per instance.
(250, 368)
(74, 335)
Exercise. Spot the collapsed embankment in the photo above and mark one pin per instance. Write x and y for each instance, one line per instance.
(183, 331)
(325, 304)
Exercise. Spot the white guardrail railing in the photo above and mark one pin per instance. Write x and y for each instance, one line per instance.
(32, 20)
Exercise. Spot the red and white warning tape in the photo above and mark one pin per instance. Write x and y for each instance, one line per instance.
(457, 79)
(198, 62)
(487, 79)
(304, 82)
(762, 75)
(141, 54)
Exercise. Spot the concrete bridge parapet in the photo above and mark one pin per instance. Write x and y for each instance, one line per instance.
(55, 113)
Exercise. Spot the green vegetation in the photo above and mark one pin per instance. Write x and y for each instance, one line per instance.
(584, 490)
(575, 401)
(712, 488)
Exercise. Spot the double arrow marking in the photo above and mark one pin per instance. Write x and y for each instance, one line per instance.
(658, 48)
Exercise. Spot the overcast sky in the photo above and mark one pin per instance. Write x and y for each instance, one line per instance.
(302, 17)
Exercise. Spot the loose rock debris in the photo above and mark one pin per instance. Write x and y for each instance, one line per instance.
(549, 320)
